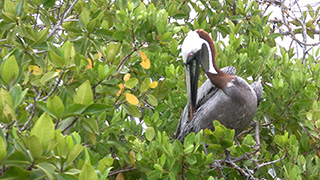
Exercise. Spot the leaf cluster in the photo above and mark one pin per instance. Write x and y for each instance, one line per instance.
(95, 89)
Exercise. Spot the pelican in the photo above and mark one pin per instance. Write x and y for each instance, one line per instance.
(223, 96)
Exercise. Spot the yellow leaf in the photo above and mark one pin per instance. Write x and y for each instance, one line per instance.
(120, 177)
(89, 66)
(132, 161)
(126, 77)
(99, 55)
(121, 86)
(145, 62)
(153, 85)
(132, 99)
(35, 70)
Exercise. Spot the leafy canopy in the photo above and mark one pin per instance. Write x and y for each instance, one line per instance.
(95, 89)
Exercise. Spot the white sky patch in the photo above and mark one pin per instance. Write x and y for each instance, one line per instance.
(276, 13)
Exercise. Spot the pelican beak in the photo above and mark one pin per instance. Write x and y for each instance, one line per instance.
(192, 76)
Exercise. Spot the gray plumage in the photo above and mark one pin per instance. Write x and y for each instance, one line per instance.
(234, 108)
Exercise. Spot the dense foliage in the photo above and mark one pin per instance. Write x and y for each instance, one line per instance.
(95, 89)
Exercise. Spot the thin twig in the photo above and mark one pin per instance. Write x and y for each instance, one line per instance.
(269, 163)
(241, 171)
(33, 105)
(304, 31)
(54, 88)
(121, 171)
(57, 26)
(318, 138)
(125, 59)
(32, 115)
(70, 125)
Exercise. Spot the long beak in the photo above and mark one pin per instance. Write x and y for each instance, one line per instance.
(192, 76)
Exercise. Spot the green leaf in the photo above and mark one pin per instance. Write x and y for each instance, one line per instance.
(68, 52)
(237, 18)
(88, 172)
(3, 150)
(104, 164)
(226, 143)
(56, 60)
(48, 3)
(188, 148)
(84, 94)
(73, 109)
(119, 35)
(156, 174)
(7, 113)
(55, 106)
(67, 176)
(158, 167)
(310, 33)
(132, 82)
(132, 110)
(32, 143)
(19, 8)
(48, 76)
(153, 47)
(249, 5)
(74, 153)
(61, 148)
(41, 36)
(43, 106)
(232, 27)
(192, 159)
(17, 95)
(84, 16)
(103, 71)
(152, 100)
(273, 35)
(9, 17)
(174, 46)
(43, 129)
(10, 70)
(150, 133)
(172, 176)
(96, 108)
(144, 85)
(15, 172)
(48, 169)
(310, 10)
(17, 159)
(9, 6)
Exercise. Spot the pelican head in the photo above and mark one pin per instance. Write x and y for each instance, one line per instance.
(196, 50)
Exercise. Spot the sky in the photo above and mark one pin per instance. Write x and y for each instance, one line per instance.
(286, 40)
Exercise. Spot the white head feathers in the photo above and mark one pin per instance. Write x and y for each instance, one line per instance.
(192, 44)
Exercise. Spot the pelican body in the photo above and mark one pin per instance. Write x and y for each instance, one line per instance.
(223, 96)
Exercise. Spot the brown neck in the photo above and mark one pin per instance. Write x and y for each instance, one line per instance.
(221, 79)
(204, 35)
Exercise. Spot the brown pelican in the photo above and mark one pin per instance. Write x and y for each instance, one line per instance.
(223, 96)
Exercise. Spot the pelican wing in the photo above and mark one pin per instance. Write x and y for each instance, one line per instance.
(205, 92)
(257, 87)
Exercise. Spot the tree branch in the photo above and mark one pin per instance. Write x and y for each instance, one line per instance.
(57, 26)
(54, 88)
(121, 171)
(125, 59)
(33, 105)
(269, 163)
(30, 117)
